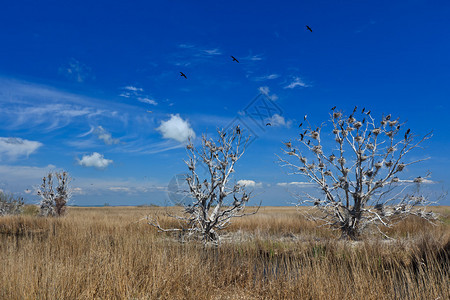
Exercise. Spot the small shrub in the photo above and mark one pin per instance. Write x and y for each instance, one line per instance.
(10, 205)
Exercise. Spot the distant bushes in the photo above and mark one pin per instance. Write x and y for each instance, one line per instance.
(10, 205)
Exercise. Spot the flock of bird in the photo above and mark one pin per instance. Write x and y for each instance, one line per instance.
(236, 60)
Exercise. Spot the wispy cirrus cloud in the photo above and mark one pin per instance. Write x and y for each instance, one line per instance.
(77, 71)
(13, 147)
(102, 134)
(296, 183)
(296, 82)
(266, 77)
(138, 94)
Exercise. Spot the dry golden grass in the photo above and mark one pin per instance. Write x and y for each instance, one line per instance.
(107, 253)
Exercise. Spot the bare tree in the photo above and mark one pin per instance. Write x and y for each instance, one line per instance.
(359, 180)
(209, 209)
(54, 195)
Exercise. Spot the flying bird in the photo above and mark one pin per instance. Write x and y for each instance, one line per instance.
(268, 124)
(234, 58)
(309, 28)
(333, 108)
(182, 74)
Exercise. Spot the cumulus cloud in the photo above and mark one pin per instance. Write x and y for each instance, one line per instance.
(176, 128)
(279, 121)
(105, 136)
(296, 82)
(95, 160)
(249, 183)
(13, 147)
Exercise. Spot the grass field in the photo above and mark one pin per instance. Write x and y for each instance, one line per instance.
(110, 253)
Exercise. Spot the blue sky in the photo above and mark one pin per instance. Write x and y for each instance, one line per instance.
(77, 80)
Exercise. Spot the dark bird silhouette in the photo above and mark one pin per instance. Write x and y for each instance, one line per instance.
(354, 110)
(300, 125)
(333, 108)
(364, 120)
(363, 110)
(398, 127)
(309, 28)
(308, 142)
(388, 117)
(301, 137)
(305, 131)
(238, 130)
(234, 58)
(288, 144)
(268, 124)
(368, 113)
(408, 131)
(182, 74)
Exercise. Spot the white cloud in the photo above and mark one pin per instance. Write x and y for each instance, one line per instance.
(105, 136)
(279, 121)
(119, 189)
(176, 128)
(77, 71)
(295, 83)
(95, 160)
(249, 183)
(15, 147)
(265, 90)
(296, 183)
(133, 88)
(267, 77)
(212, 51)
(147, 100)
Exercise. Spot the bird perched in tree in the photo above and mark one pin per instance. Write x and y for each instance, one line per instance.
(308, 142)
(309, 28)
(368, 113)
(268, 124)
(182, 75)
(300, 125)
(304, 118)
(388, 117)
(234, 58)
(333, 108)
(238, 130)
(408, 131)
(301, 137)
(364, 120)
(354, 110)
(363, 110)
(288, 144)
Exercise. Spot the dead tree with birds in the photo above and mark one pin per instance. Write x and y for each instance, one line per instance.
(214, 201)
(54, 194)
(358, 182)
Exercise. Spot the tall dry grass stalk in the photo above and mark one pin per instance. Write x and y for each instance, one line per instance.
(104, 253)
